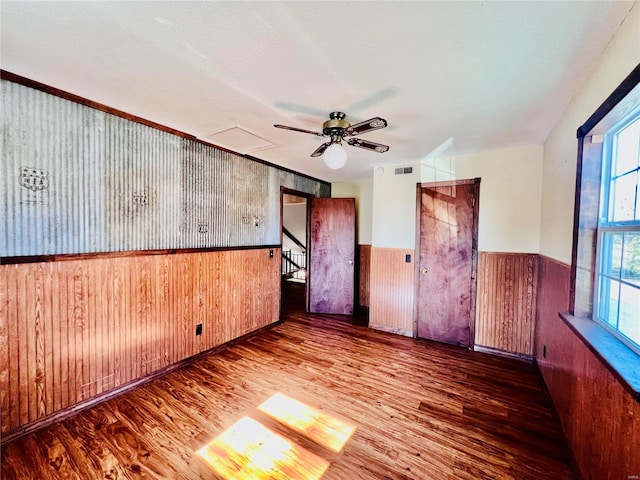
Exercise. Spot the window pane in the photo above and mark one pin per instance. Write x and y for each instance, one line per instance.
(623, 193)
(611, 260)
(638, 197)
(608, 305)
(627, 149)
(617, 301)
(631, 260)
(629, 323)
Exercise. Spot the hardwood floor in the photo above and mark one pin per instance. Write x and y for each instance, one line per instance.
(421, 410)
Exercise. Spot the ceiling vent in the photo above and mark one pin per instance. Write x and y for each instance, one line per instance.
(403, 170)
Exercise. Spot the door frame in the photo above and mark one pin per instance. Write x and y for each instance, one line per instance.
(308, 197)
(474, 250)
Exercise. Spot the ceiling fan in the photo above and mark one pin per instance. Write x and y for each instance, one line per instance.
(338, 128)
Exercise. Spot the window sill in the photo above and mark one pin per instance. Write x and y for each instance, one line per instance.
(621, 361)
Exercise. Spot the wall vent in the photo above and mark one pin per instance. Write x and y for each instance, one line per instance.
(403, 170)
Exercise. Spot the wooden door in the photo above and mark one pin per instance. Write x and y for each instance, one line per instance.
(447, 261)
(332, 255)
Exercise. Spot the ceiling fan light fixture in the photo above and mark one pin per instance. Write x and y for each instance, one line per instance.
(335, 156)
(338, 128)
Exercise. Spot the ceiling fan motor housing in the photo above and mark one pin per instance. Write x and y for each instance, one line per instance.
(336, 125)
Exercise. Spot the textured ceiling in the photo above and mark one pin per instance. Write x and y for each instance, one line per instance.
(485, 74)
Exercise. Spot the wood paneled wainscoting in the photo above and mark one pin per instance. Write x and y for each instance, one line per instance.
(505, 318)
(600, 418)
(392, 290)
(74, 329)
(364, 274)
(416, 410)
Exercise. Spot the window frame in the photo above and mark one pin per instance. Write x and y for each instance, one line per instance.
(616, 356)
(605, 225)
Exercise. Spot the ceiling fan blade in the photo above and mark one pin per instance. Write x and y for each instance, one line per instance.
(299, 130)
(293, 107)
(320, 150)
(372, 99)
(376, 147)
(374, 123)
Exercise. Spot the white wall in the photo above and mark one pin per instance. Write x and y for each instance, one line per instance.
(362, 191)
(394, 208)
(345, 190)
(510, 195)
(560, 148)
(438, 168)
(294, 219)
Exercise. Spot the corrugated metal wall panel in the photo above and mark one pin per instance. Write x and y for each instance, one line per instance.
(204, 218)
(248, 200)
(52, 150)
(78, 180)
(142, 186)
(225, 198)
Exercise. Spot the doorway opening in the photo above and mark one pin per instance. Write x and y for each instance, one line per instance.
(295, 242)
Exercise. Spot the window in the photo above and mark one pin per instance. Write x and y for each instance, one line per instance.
(617, 297)
(604, 297)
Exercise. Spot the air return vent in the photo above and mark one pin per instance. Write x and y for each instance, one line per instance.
(403, 170)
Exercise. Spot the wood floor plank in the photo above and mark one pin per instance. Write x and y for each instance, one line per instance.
(422, 410)
(87, 451)
(51, 447)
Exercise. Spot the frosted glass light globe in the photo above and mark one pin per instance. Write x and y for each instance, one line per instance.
(335, 156)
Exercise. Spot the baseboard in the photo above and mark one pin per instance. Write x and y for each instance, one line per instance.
(103, 397)
(388, 329)
(494, 351)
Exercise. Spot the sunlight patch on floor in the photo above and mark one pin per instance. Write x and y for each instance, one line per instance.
(248, 450)
(317, 426)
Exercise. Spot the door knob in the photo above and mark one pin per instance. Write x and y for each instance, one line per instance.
(350, 262)
(424, 270)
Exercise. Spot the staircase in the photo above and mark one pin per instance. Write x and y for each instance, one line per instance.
(294, 264)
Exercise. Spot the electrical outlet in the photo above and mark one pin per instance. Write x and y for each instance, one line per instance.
(199, 329)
